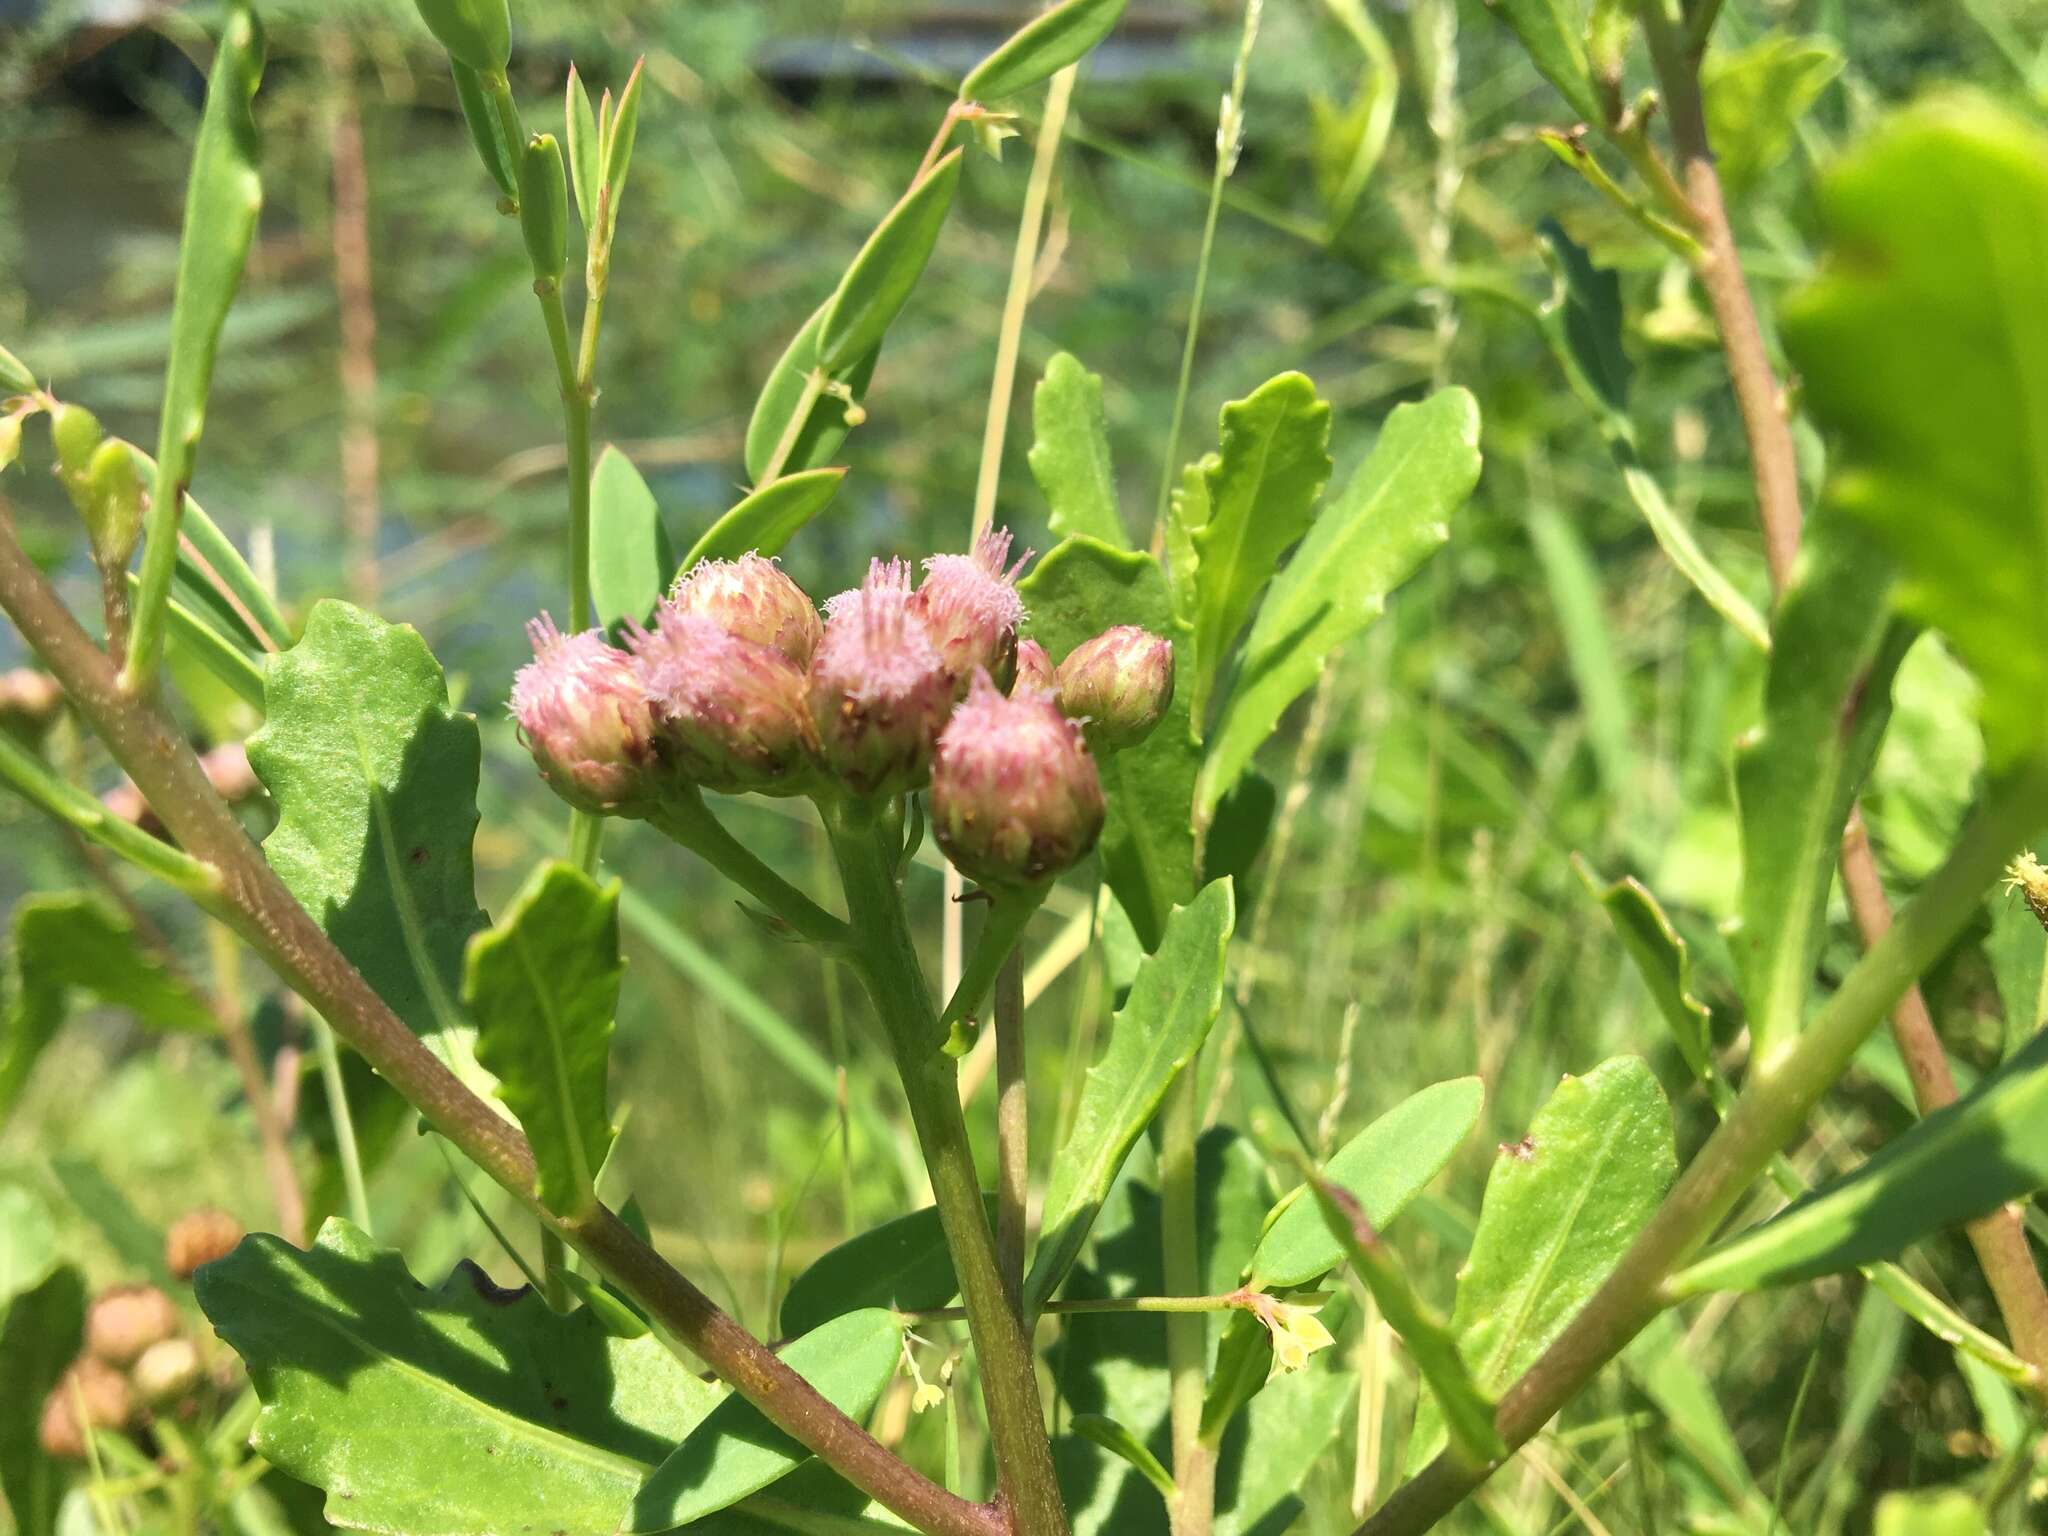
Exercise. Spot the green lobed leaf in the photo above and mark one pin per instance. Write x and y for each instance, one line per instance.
(1754, 97)
(1550, 33)
(1562, 1205)
(1393, 515)
(1186, 510)
(1960, 1162)
(1661, 959)
(767, 520)
(902, 1264)
(1172, 1003)
(579, 124)
(543, 987)
(1827, 696)
(1383, 1167)
(1262, 487)
(825, 424)
(375, 781)
(878, 284)
(466, 1410)
(39, 1338)
(735, 1451)
(1070, 453)
(69, 943)
(1937, 234)
(630, 556)
(1041, 48)
(1148, 843)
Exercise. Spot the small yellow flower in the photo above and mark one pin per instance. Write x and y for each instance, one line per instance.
(929, 1394)
(1296, 1331)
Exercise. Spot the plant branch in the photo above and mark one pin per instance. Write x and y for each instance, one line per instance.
(163, 765)
(996, 944)
(686, 819)
(1766, 1115)
(1192, 1510)
(1013, 1131)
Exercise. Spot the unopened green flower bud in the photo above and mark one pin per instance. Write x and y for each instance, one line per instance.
(879, 691)
(1118, 685)
(970, 607)
(76, 434)
(751, 598)
(477, 32)
(125, 1321)
(1015, 796)
(586, 720)
(544, 207)
(15, 377)
(115, 496)
(166, 1372)
(730, 714)
(1035, 671)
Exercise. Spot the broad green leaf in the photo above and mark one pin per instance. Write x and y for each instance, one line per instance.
(1826, 699)
(1237, 834)
(1262, 487)
(1551, 33)
(1104, 1494)
(39, 1338)
(466, 1410)
(1466, 1410)
(1383, 1167)
(1661, 959)
(543, 986)
(630, 557)
(1926, 775)
(375, 781)
(1393, 515)
(486, 130)
(1148, 843)
(1562, 1206)
(1119, 1441)
(67, 944)
(1156, 1033)
(735, 1451)
(1070, 453)
(902, 1264)
(1265, 1461)
(1350, 140)
(1955, 1165)
(1754, 98)
(766, 521)
(2017, 948)
(878, 284)
(579, 125)
(1590, 316)
(29, 1252)
(1935, 1512)
(1937, 268)
(826, 422)
(1041, 48)
(223, 194)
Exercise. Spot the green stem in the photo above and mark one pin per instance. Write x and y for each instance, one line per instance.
(554, 1264)
(814, 387)
(1169, 470)
(686, 819)
(1007, 916)
(576, 438)
(1766, 1115)
(344, 1122)
(885, 957)
(586, 840)
(1240, 1300)
(1013, 1130)
(1193, 1507)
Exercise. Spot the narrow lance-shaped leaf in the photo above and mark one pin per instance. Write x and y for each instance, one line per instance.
(1550, 32)
(486, 129)
(1119, 1441)
(902, 1264)
(375, 781)
(1156, 1033)
(465, 1410)
(586, 168)
(1562, 1206)
(1661, 959)
(1826, 701)
(1937, 233)
(1148, 843)
(214, 573)
(1070, 453)
(1393, 515)
(1262, 488)
(620, 134)
(543, 986)
(879, 282)
(736, 1451)
(1043, 46)
(767, 520)
(630, 557)
(223, 194)
(1960, 1162)
(827, 418)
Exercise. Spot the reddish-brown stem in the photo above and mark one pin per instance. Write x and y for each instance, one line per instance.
(351, 242)
(163, 765)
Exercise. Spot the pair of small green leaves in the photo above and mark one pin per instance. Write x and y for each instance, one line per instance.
(600, 151)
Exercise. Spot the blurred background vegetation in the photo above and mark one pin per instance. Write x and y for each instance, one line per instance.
(1550, 684)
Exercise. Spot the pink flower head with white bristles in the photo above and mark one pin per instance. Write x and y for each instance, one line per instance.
(752, 598)
(970, 604)
(584, 717)
(729, 712)
(879, 690)
(1016, 798)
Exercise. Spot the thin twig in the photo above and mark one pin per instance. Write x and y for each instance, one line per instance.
(1013, 1129)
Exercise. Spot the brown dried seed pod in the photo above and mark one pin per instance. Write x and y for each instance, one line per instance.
(199, 1237)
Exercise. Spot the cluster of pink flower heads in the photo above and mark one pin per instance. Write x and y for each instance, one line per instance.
(740, 686)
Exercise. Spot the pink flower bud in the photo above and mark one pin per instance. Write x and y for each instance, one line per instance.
(969, 603)
(730, 713)
(1015, 795)
(126, 1320)
(751, 597)
(1118, 685)
(585, 719)
(879, 690)
(1035, 671)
